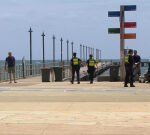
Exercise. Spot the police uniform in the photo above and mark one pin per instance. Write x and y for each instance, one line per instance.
(137, 59)
(75, 68)
(91, 68)
(97, 60)
(129, 70)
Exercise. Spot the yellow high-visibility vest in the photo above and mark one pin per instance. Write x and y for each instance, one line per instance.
(127, 59)
(75, 61)
(97, 60)
(91, 62)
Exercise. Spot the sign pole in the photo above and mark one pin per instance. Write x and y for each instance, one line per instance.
(122, 44)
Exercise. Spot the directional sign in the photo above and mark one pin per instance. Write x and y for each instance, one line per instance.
(129, 25)
(130, 8)
(114, 14)
(129, 36)
(113, 30)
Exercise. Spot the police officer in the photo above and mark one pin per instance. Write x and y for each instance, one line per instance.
(137, 63)
(129, 69)
(97, 60)
(75, 67)
(91, 67)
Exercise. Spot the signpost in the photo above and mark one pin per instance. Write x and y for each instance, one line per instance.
(122, 33)
(129, 36)
(114, 14)
(129, 25)
(113, 30)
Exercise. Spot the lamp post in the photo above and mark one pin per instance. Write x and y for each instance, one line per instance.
(72, 48)
(86, 53)
(68, 51)
(43, 35)
(100, 55)
(61, 48)
(89, 50)
(93, 52)
(54, 49)
(30, 31)
(81, 51)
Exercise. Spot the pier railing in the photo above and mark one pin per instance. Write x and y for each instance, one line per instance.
(24, 70)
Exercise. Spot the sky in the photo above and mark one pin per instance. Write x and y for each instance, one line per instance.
(81, 21)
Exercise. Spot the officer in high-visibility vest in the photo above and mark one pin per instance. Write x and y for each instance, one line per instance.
(75, 67)
(91, 67)
(97, 60)
(129, 69)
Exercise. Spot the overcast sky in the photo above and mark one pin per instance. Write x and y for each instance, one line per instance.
(82, 21)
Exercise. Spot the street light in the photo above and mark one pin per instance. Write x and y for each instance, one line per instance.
(30, 31)
(43, 35)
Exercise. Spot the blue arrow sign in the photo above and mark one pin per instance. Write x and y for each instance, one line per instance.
(114, 14)
(130, 8)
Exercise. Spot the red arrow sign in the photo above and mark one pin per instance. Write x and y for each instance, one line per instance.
(129, 36)
(129, 25)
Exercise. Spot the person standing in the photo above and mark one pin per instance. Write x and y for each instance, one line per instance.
(137, 63)
(91, 67)
(10, 63)
(75, 68)
(147, 75)
(129, 69)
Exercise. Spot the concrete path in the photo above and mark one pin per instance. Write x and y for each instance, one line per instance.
(104, 108)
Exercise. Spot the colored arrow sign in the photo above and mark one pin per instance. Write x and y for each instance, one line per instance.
(113, 30)
(129, 25)
(130, 8)
(129, 36)
(114, 14)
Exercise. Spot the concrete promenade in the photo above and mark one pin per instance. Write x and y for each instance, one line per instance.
(31, 107)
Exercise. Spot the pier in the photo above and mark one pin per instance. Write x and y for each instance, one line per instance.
(59, 108)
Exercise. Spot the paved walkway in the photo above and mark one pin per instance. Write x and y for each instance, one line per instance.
(31, 107)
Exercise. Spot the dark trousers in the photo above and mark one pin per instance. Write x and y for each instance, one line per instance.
(147, 76)
(77, 71)
(129, 75)
(91, 75)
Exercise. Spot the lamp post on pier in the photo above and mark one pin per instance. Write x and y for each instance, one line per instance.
(72, 48)
(30, 31)
(61, 48)
(68, 51)
(89, 50)
(54, 49)
(43, 35)
(81, 51)
(93, 52)
(86, 53)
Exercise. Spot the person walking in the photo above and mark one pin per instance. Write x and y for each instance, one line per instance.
(91, 63)
(137, 64)
(75, 67)
(129, 69)
(10, 63)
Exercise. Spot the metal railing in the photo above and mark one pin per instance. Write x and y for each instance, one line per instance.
(24, 70)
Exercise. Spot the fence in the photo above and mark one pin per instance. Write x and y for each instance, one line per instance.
(24, 70)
